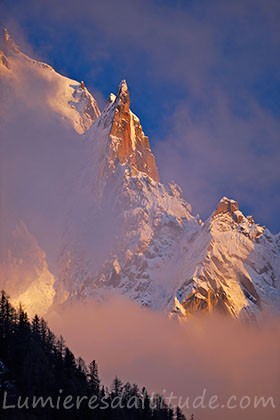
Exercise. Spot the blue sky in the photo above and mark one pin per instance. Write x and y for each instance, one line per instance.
(204, 79)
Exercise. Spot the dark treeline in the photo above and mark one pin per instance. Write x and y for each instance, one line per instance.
(34, 362)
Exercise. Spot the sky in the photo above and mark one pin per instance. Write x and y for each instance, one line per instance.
(203, 76)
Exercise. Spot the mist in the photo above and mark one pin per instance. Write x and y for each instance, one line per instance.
(228, 158)
(210, 355)
(213, 147)
(40, 152)
(205, 85)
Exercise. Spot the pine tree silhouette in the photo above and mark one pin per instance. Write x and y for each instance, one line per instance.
(34, 362)
(93, 378)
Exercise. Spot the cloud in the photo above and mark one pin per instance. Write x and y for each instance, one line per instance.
(194, 70)
(216, 354)
(35, 142)
(203, 79)
(224, 153)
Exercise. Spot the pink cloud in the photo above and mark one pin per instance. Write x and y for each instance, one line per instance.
(216, 354)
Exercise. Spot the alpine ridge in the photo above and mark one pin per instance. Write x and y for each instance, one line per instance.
(109, 226)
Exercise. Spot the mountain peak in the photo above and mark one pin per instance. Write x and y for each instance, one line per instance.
(122, 99)
(128, 145)
(226, 205)
(122, 95)
(123, 90)
(7, 44)
(229, 207)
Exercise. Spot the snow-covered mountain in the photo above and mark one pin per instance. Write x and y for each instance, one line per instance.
(25, 273)
(232, 265)
(112, 227)
(68, 98)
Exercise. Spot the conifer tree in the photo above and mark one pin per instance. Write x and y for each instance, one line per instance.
(146, 404)
(36, 325)
(116, 388)
(179, 414)
(93, 378)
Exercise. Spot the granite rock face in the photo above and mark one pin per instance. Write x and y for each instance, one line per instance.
(131, 146)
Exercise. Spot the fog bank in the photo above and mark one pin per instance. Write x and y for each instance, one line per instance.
(206, 356)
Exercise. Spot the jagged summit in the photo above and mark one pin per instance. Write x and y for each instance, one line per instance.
(225, 199)
(7, 45)
(10, 50)
(119, 100)
(123, 93)
(228, 217)
(128, 145)
(226, 205)
(69, 98)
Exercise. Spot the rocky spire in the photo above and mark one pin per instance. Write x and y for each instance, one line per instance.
(129, 145)
(123, 98)
(226, 205)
